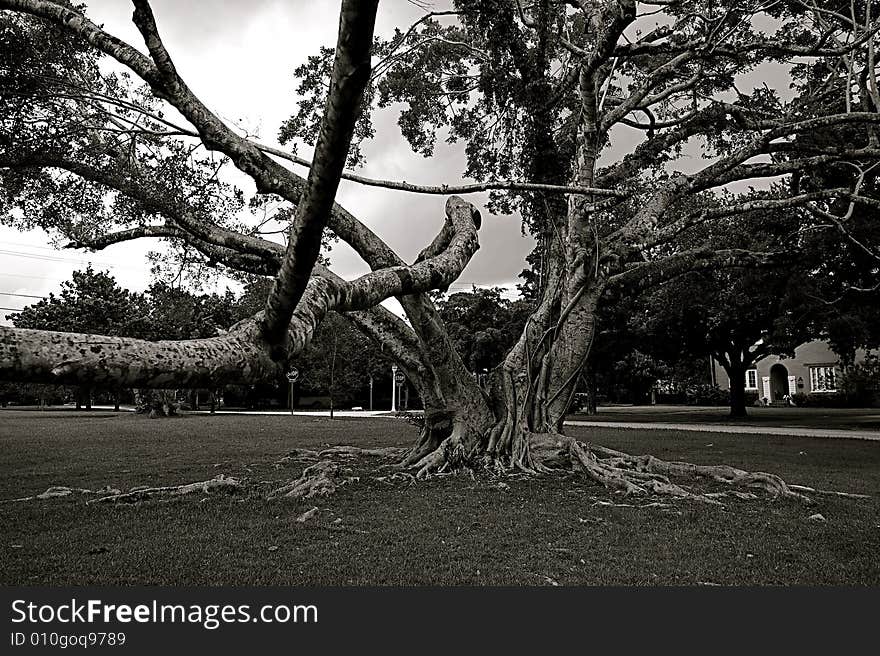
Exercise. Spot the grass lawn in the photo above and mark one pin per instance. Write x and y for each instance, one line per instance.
(448, 530)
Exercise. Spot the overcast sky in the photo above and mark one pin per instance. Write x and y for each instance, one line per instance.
(239, 58)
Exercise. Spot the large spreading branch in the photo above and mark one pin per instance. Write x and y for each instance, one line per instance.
(43, 356)
(381, 325)
(351, 72)
(239, 356)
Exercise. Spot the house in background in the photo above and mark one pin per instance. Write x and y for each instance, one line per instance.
(814, 369)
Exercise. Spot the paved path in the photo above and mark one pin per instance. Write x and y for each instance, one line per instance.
(301, 413)
(730, 428)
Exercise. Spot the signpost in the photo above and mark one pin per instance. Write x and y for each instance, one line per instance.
(399, 379)
(292, 377)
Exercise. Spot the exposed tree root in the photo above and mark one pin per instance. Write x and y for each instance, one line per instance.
(396, 476)
(725, 474)
(221, 482)
(62, 491)
(307, 515)
(623, 473)
(833, 493)
(383, 452)
(299, 455)
(321, 479)
(645, 474)
(452, 453)
(617, 471)
(112, 494)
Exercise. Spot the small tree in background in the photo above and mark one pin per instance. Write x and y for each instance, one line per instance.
(91, 302)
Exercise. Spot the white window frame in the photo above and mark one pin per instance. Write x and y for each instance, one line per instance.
(819, 376)
(751, 374)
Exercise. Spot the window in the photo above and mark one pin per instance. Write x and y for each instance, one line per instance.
(752, 379)
(823, 379)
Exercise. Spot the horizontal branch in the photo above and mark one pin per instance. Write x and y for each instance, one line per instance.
(767, 46)
(670, 231)
(447, 189)
(645, 275)
(43, 356)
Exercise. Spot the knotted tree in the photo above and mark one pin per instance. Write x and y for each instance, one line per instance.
(578, 115)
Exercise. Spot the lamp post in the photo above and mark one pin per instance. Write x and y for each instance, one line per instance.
(371, 392)
(393, 388)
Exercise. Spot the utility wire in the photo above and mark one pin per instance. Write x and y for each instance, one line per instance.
(55, 258)
(24, 275)
(21, 295)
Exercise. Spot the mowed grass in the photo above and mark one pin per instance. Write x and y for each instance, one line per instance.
(448, 530)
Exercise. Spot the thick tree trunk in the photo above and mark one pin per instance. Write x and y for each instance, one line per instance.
(590, 389)
(737, 377)
(528, 394)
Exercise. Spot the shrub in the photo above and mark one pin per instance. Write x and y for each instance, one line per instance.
(157, 403)
(706, 394)
(861, 382)
(825, 400)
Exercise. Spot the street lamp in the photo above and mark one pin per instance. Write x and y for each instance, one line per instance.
(393, 388)
(371, 392)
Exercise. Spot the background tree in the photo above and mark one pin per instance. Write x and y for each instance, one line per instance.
(91, 302)
(176, 313)
(736, 317)
(483, 325)
(356, 360)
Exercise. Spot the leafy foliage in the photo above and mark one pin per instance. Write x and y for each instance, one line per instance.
(483, 325)
(90, 302)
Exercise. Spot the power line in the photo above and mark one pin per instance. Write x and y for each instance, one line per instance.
(12, 309)
(54, 258)
(21, 295)
(24, 275)
(38, 256)
(43, 248)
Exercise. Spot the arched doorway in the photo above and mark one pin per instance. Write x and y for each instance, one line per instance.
(778, 382)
